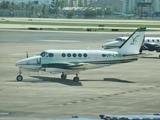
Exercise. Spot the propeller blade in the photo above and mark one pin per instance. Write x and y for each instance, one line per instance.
(26, 54)
(39, 61)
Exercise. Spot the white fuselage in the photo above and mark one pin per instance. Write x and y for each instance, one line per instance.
(120, 40)
(57, 60)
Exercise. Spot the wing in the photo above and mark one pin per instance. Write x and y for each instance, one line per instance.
(66, 65)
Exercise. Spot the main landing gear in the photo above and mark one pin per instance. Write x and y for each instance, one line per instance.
(63, 76)
(19, 77)
(75, 79)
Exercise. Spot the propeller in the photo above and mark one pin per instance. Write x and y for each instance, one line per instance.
(26, 54)
(39, 62)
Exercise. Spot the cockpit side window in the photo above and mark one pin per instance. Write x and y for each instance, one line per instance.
(118, 39)
(51, 54)
(45, 54)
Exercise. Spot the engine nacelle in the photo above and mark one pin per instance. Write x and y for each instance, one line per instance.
(151, 46)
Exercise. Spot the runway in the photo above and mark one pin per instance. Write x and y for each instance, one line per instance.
(131, 88)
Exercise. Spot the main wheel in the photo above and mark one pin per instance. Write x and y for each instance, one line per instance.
(76, 79)
(19, 78)
(63, 76)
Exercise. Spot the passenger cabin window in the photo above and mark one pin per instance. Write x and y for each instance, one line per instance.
(69, 55)
(148, 40)
(79, 55)
(152, 40)
(74, 55)
(157, 40)
(84, 55)
(103, 55)
(63, 55)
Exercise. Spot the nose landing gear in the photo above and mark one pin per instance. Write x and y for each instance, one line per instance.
(19, 77)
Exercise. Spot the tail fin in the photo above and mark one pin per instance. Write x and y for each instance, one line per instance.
(133, 44)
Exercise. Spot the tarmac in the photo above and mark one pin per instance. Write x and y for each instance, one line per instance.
(131, 88)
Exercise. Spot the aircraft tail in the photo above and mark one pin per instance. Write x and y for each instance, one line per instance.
(133, 44)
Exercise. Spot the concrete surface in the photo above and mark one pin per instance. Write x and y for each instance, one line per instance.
(131, 88)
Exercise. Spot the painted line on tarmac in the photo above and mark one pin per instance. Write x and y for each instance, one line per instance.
(4, 113)
(107, 96)
(7, 60)
(71, 41)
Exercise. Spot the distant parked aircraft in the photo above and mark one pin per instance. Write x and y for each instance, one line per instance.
(150, 43)
(131, 117)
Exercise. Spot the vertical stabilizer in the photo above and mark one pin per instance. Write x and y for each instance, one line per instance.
(133, 44)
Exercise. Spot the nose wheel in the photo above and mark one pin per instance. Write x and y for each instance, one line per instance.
(19, 77)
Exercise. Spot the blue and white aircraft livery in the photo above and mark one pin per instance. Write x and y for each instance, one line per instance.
(150, 43)
(118, 117)
(131, 117)
(73, 61)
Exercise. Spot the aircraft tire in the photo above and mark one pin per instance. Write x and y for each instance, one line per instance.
(63, 76)
(19, 78)
(76, 79)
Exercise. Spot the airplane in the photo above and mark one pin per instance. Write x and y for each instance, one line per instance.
(150, 43)
(73, 61)
(118, 117)
(131, 117)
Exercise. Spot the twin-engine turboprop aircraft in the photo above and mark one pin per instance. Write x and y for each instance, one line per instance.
(74, 61)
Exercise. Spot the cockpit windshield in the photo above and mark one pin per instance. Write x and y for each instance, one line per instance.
(46, 54)
(43, 54)
(120, 40)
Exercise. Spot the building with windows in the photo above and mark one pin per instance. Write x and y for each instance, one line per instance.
(142, 6)
(78, 3)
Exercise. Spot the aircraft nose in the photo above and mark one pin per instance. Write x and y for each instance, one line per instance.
(110, 44)
(28, 61)
(21, 62)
